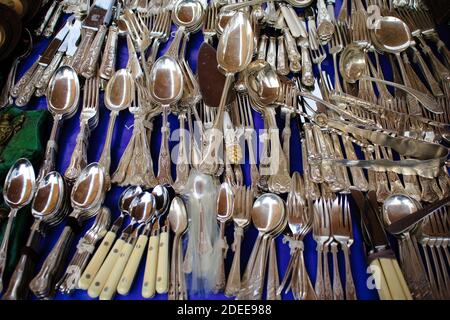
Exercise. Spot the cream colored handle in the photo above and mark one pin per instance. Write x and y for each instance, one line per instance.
(110, 287)
(402, 281)
(395, 282)
(96, 262)
(133, 263)
(148, 287)
(383, 291)
(162, 270)
(102, 275)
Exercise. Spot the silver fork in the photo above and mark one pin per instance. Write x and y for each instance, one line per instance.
(241, 218)
(321, 234)
(335, 47)
(341, 228)
(159, 33)
(209, 25)
(88, 121)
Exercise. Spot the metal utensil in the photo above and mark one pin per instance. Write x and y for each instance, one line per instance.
(86, 197)
(96, 262)
(18, 191)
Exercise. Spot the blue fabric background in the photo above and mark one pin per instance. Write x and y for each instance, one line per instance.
(121, 137)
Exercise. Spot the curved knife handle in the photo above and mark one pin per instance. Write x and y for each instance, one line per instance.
(41, 28)
(148, 286)
(282, 59)
(18, 87)
(84, 46)
(108, 64)
(53, 20)
(27, 91)
(164, 161)
(89, 65)
(49, 71)
(78, 160)
(162, 270)
(307, 68)
(96, 262)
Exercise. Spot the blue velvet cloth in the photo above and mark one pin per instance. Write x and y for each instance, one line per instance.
(121, 137)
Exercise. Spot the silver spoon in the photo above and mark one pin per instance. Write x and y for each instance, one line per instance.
(119, 95)
(48, 209)
(18, 191)
(96, 262)
(396, 207)
(353, 66)
(86, 197)
(141, 208)
(62, 97)
(178, 222)
(234, 53)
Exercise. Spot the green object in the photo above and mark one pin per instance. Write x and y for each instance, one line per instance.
(27, 142)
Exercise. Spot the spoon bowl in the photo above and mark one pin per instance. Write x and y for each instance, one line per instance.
(262, 82)
(142, 207)
(19, 184)
(49, 199)
(398, 206)
(391, 34)
(225, 202)
(177, 216)
(162, 199)
(166, 81)
(88, 190)
(127, 197)
(63, 92)
(119, 92)
(268, 212)
(188, 13)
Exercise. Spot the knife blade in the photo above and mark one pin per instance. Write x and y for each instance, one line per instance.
(405, 223)
(24, 88)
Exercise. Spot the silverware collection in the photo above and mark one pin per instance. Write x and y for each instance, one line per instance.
(362, 142)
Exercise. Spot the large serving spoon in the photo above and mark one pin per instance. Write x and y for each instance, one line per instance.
(353, 66)
(119, 95)
(142, 208)
(18, 191)
(62, 96)
(86, 198)
(178, 220)
(234, 53)
(267, 214)
(96, 262)
(48, 209)
(396, 207)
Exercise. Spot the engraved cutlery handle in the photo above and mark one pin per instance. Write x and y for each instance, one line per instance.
(83, 48)
(272, 53)
(109, 290)
(108, 65)
(4, 245)
(43, 283)
(262, 47)
(7, 87)
(272, 274)
(18, 284)
(256, 280)
(102, 275)
(96, 262)
(164, 161)
(182, 167)
(325, 168)
(307, 68)
(47, 16)
(319, 286)
(43, 82)
(129, 273)
(441, 71)
(234, 277)
(326, 275)
(338, 292)
(291, 49)
(430, 190)
(220, 276)
(69, 280)
(51, 149)
(350, 291)
(312, 154)
(432, 83)
(89, 65)
(162, 270)
(254, 172)
(18, 87)
(358, 177)
(26, 92)
(149, 283)
(78, 160)
(282, 59)
(105, 158)
(50, 28)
